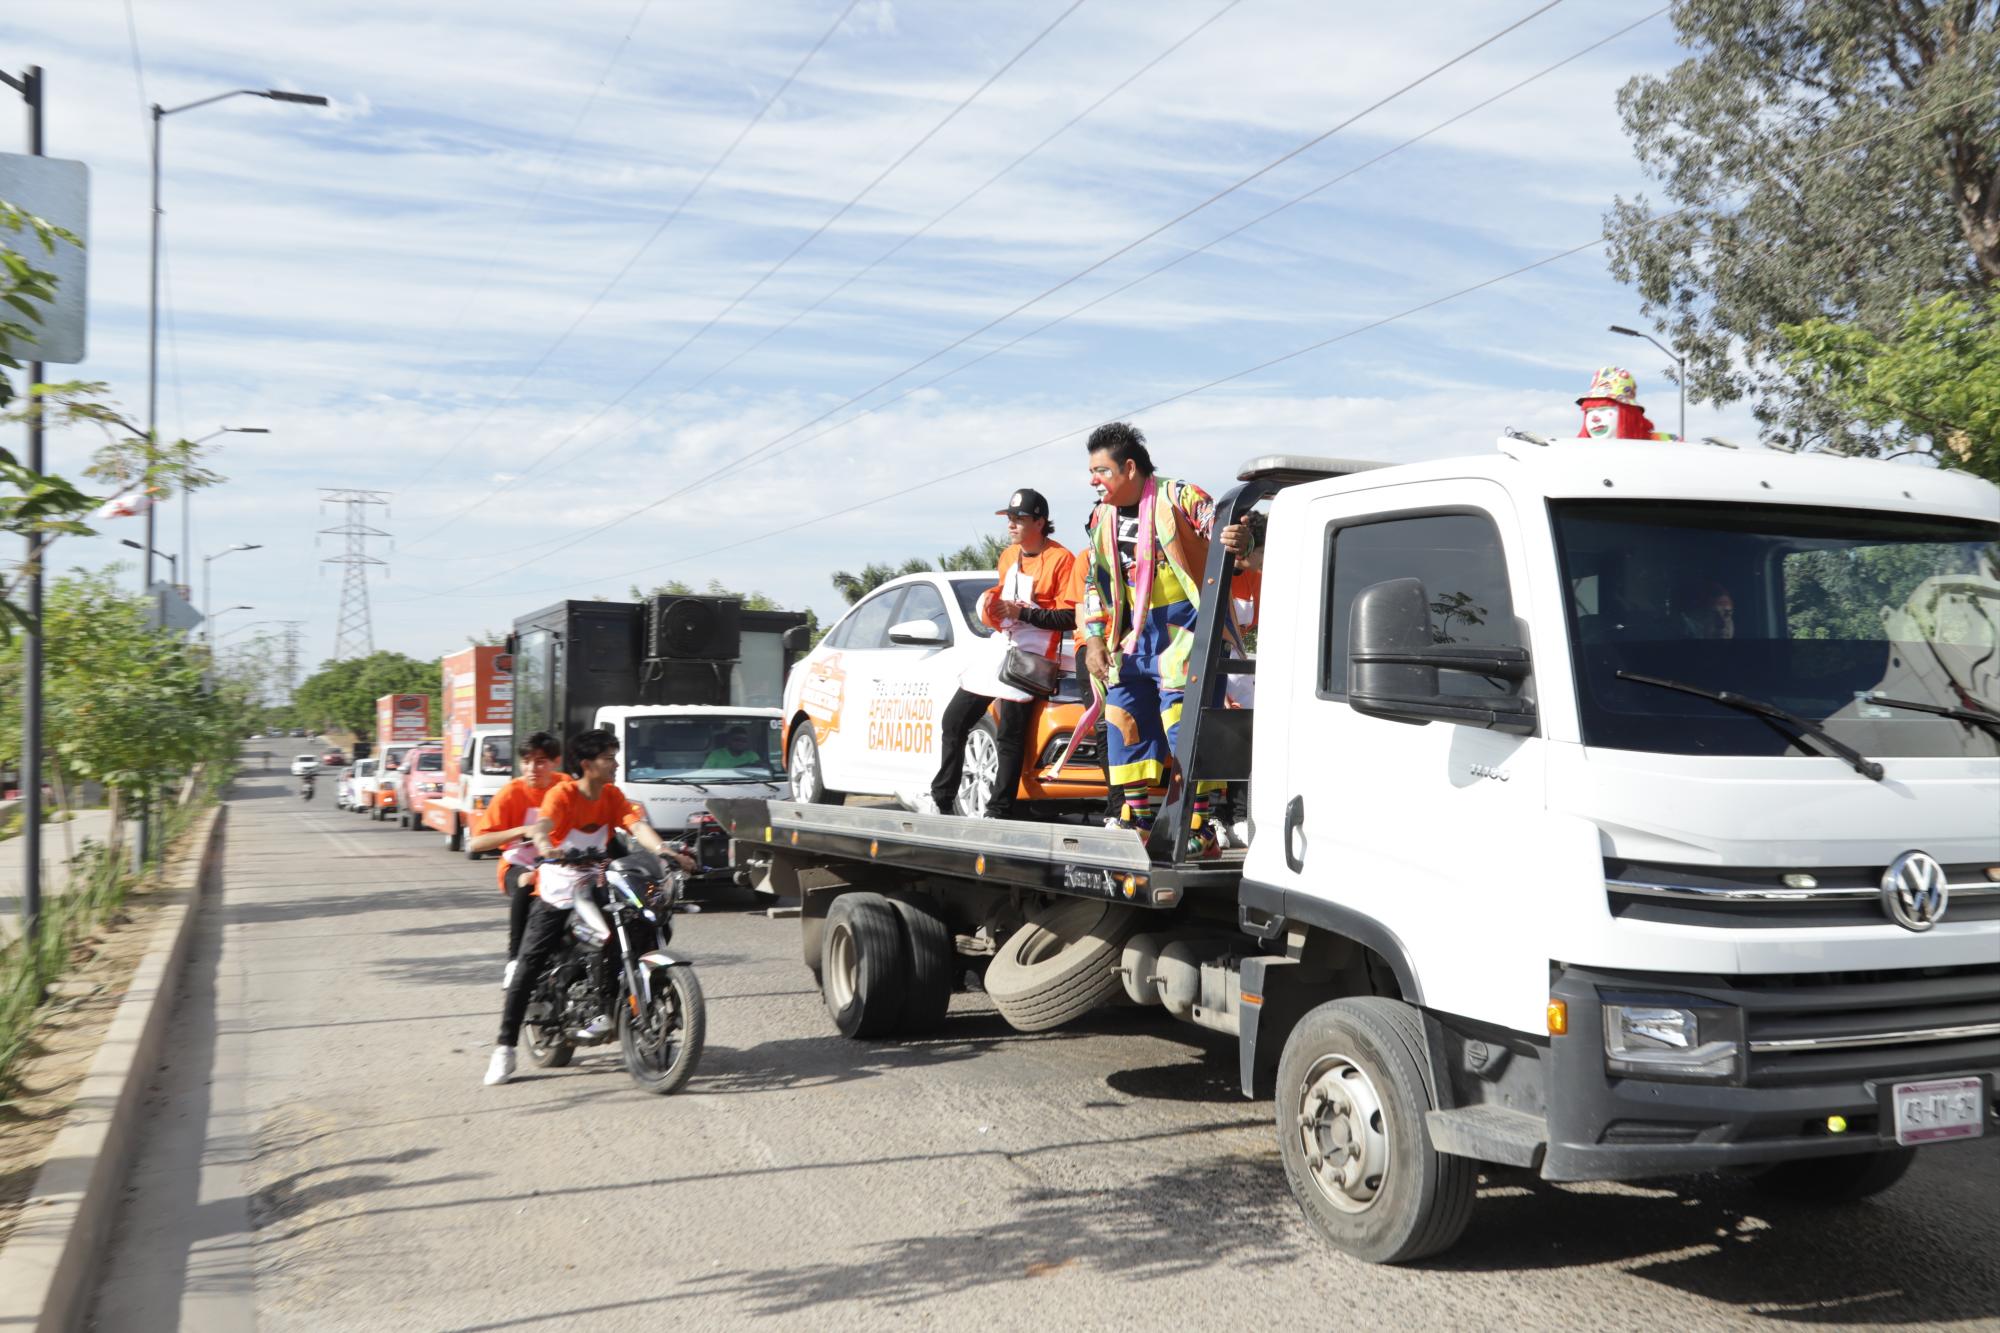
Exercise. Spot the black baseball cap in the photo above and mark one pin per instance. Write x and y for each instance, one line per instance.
(1026, 503)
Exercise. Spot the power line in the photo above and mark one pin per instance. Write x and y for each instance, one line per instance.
(138, 71)
(1127, 248)
(877, 262)
(1295, 353)
(1175, 261)
(790, 255)
(534, 197)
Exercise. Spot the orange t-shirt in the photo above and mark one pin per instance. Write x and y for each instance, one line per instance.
(581, 825)
(510, 808)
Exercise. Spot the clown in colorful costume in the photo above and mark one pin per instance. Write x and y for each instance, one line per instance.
(1142, 597)
(1611, 409)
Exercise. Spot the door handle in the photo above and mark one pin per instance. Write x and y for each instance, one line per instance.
(1295, 834)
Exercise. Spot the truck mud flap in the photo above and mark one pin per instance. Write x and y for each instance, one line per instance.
(1489, 1133)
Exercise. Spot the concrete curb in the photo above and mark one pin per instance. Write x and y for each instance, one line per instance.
(49, 1262)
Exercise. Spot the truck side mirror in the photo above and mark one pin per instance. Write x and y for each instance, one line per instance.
(796, 639)
(1393, 662)
(511, 642)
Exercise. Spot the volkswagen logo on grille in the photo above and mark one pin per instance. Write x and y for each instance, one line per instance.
(1914, 892)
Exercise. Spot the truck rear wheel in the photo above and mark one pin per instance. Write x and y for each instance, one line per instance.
(1062, 964)
(933, 965)
(1350, 1109)
(1832, 1180)
(864, 968)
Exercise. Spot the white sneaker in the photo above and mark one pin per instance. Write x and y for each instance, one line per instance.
(596, 1029)
(501, 1067)
(924, 805)
(507, 977)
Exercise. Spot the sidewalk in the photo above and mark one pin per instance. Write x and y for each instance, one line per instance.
(88, 824)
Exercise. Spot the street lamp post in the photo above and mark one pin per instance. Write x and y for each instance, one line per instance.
(173, 561)
(207, 631)
(160, 114)
(1680, 369)
(242, 607)
(187, 496)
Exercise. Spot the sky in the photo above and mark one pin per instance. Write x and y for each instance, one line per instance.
(622, 291)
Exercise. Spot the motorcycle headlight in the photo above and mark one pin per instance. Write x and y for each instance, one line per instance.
(1663, 1040)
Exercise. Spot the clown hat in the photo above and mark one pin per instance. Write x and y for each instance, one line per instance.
(1612, 384)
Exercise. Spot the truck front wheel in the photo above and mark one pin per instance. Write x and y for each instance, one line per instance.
(455, 840)
(1350, 1108)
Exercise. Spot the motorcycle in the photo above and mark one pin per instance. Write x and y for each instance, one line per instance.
(657, 1001)
(306, 787)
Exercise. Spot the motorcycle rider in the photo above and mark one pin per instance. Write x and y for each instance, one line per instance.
(508, 823)
(577, 815)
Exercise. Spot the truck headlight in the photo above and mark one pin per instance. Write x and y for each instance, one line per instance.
(1665, 1041)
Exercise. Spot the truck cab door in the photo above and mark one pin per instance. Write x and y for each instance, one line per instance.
(1416, 839)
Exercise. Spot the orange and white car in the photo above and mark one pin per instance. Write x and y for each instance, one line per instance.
(862, 708)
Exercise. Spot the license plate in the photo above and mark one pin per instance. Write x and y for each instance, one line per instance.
(1938, 1110)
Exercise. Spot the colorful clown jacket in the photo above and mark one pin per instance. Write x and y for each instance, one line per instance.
(1183, 521)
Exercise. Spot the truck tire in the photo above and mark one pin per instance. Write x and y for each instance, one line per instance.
(808, 777)
(1835, 1180)
(863, 970)
(454, 841)
(1358, 1156)
(933, 964)
(1060, 965)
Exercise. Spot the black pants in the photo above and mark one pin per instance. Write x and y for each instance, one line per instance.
(520, 897)
(961, 715)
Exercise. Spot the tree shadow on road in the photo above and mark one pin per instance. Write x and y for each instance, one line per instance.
(1885, 1261)
(1224, 1214)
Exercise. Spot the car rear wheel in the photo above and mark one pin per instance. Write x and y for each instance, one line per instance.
(982, 770)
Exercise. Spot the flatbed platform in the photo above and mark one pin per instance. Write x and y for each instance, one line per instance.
(1073, 859)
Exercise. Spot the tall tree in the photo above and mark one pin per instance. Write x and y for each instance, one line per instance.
(343, 694)
(1822, 159)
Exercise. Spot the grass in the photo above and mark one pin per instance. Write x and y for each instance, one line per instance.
(101, 881)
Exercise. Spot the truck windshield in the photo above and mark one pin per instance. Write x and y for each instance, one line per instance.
(496, 756)
(717, 748)
(1813, 610)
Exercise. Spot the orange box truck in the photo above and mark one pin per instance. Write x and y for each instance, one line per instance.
(478, 694)
(401, 722)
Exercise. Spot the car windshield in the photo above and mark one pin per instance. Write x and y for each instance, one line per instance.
(430, 759)
(1812, 610)
(967, 590)
(304, 759)
(717, 748)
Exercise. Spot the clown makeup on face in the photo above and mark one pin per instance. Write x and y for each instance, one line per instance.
(1600, 423)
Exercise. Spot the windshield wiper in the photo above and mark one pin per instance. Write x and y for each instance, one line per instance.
(1990, 721)
(1854, 759)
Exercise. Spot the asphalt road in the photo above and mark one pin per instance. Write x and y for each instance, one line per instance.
(321, 1154)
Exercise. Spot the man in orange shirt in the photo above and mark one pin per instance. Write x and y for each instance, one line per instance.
(508, 824)
(577, 815)
(1033, 572)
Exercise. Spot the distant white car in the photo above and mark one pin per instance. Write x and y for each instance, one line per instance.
(303, 764)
